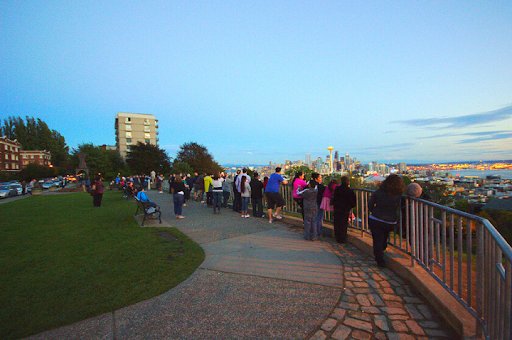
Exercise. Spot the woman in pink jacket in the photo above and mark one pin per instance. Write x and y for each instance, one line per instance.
(299, 183)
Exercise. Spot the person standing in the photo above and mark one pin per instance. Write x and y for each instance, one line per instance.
(299, 183)
(237, 198)
(308, 194)
(178, 197)
(245, 193)
(227, 186)
(257, 196)
(217, 182)
(383, 205)
(320, 188)
(208, 189)
(274, 198)
(326, 204)
(344, 199)
(97, 190)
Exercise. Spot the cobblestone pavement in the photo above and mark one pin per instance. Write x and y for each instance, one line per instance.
(377, 304)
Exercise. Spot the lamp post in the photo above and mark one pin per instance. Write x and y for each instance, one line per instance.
(330, 148)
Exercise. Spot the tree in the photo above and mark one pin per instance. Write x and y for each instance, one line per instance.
(36, 171)
(181, 168)
(198, 157)
(144, 158)
(36, 135)
(98, 160)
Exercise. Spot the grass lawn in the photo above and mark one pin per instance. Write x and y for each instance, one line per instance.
(61, 260)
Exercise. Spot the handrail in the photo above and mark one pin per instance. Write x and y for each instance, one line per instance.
(464, 253)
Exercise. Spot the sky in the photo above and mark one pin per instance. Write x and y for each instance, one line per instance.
(260, 81)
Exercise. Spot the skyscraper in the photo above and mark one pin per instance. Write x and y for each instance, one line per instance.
(132, 128)
(308, 159)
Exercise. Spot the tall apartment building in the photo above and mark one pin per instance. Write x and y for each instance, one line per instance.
(132, 128)
(10, 159)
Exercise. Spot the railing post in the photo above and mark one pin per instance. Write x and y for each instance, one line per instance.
(412, 228)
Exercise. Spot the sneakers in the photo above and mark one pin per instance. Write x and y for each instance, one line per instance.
(270, 221)
(244, 216)
(184, 204)
(179, 217)
(279, 217)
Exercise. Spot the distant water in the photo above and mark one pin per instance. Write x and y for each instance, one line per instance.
(504, 174)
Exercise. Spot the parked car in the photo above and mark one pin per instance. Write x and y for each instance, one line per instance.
(47, 185)
(7, 191)
(18, 188)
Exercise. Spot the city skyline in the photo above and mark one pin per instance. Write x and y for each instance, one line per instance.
(259, 82)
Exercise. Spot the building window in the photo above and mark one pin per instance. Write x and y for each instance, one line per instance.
(147, 135)
(128, 127)
(128, 140)
(128, 135)
(6, 156)
(147, 141)
(146, 121)
(147, 129)
(7, 165)
(127, 120)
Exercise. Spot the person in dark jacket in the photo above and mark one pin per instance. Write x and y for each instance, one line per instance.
(237, 197)
(97, 190)
(178, 196)
(310, 205)
(257, 196)
(320, 188)
(344, 200)
(384, 206)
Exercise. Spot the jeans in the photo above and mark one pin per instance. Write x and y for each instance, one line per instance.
(178, 204)
(245, 203)
(380, 234)
(237, 201)
(226, 195)
(257, 207)
(217, 200)
(310, 227)
(340, 224)
(318, 222)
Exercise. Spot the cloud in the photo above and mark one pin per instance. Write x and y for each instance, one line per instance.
(391, 147)
(481, 133)
(461, 121)
(495, 136)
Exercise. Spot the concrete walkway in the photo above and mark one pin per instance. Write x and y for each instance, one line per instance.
(262, 280)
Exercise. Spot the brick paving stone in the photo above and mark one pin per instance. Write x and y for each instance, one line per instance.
(435, 332)
(363, 300)
(414, 327)
(349, 306)
(385, 284)
(394, 304)
(362, 290)
(411, 299)
(370, 310)
(376, 300)
(359, 324)
(360, 316)
(349, 284)
(400, 291)
(360, 284)
(399, 326)
(329, 324)
(360, 335)
(413, 311)
(380, 336)
(353, 278)
(349, 292)
(387, 290)
(425, 310)
(364, 276)
(373, 283)
(341, 332)
(381, 322)
(319, 335)
(429, 324)
(394, 283)
(400, 336)
(391, 297)
(399, 317)
(393, 310)
(338, 313)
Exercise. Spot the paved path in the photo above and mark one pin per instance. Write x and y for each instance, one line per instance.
(262, 280)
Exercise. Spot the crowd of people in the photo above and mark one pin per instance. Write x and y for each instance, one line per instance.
(312, 197)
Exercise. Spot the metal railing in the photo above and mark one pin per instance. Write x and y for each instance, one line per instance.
(463, 252)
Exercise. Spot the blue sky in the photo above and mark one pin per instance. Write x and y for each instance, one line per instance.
(268, 81)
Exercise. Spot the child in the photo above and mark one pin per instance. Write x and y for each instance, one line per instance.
(310, 210)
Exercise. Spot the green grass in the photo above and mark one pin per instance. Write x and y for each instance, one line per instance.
(61, 260)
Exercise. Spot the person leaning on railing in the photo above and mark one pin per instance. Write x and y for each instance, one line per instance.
(384, 205)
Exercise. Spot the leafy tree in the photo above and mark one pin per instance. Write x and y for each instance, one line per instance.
(144, 158)
(34, 134)
(108, 162)
(198, 157)
(181, 168)
(294, 169)
(501, 220)
(37, 171)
